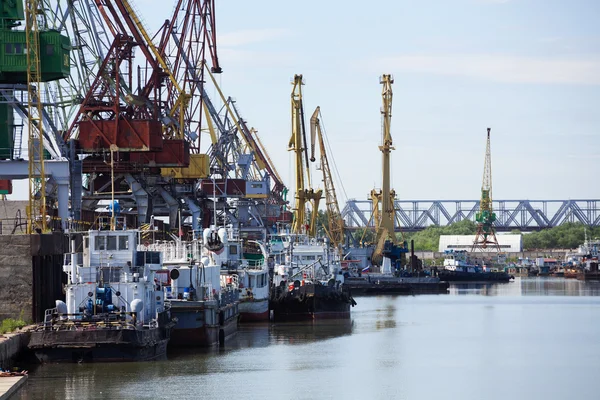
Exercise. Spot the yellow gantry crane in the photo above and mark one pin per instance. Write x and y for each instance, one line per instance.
(37, 183)
(304, 193)
(335, 229)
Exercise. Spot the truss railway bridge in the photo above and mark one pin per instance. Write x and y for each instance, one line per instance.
(523, 215)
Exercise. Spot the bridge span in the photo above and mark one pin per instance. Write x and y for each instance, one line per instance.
(524, 215)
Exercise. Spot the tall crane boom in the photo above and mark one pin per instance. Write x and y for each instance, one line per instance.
(334, 216)
(384, 219)
(387, 243)
(37, 180)
(486, 235)
(304, 193)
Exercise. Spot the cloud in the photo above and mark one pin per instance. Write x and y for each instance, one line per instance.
(501, 68)
(249, 36)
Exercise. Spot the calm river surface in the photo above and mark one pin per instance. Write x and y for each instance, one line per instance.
(535, 338)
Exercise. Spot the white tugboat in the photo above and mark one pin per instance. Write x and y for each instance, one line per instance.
(243, 264)
(113, 309)
(204, 302)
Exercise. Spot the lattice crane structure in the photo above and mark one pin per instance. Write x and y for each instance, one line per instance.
(335, 223)
(305, 194)
(486, 234)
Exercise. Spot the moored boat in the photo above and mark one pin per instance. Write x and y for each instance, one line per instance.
(113, 309)
(458, 269)
(244, 264)
(205, 304)
(308, 282)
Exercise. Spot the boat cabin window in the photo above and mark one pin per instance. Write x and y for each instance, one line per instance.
(86, 243)
(100, 243)
(123, 242)
(233, 249)
(111, 243)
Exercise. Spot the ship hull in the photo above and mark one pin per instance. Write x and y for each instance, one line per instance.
(460, 276)
(100, 345)
(254, 311)
(201, 324)
(310, 302)
(392, 285)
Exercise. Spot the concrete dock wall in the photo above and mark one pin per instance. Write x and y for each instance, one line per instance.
(11, 346)
(31, 274)
(16, 277)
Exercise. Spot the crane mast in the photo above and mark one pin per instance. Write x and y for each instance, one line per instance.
(335, 230)
(37, 180)
(486, 235)
(384, 220)
(304, 193)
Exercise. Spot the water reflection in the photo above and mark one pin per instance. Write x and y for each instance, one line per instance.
(479, 288)
(528, 286)
(558, 287)
(302, 332)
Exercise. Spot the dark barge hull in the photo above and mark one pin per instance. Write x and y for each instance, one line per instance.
(310, 302)
(362, 286)
(100, 345)
(459, 276)
(588, 276)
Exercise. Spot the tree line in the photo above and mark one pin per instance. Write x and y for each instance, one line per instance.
(566, 236)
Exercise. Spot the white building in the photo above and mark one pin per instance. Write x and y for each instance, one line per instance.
(507, 243)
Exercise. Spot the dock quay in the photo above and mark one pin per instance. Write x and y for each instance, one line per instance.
(10, 384)
(395, 285)
(12, 346)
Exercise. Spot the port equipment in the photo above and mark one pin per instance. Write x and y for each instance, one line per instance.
(305, 194)
(386, 242)
(486, 233)
(28, 59)
(335, 228)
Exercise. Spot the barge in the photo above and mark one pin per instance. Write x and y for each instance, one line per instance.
(113, 309)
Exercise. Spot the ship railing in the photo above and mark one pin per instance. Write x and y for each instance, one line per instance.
(230, 280)
(49, 317)
(153, 324)
(79, 321)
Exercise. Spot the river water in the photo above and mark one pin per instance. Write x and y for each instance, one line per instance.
(534, 338)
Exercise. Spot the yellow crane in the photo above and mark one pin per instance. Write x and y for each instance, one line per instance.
(304, 193)
(37, 182)
(335, 229)
(387, 243)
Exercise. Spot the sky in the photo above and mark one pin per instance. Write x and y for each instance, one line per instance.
(528, 69)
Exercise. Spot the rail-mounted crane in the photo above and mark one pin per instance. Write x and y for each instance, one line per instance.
(486, 234)
(305, 194)
(387, 243)
(335, 223)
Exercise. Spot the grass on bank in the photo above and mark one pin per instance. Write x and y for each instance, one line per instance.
(11, 324)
